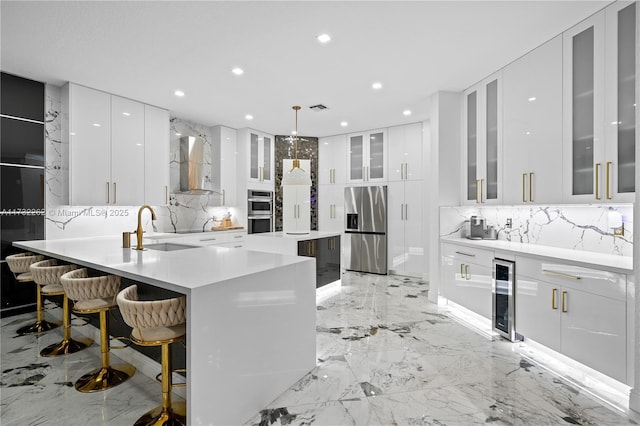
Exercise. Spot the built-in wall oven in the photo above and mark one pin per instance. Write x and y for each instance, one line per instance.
(259, 211)
(503, 299)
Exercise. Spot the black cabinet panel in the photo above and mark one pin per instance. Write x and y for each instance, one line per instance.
(21, 142)
(21, 97)
(326, 251)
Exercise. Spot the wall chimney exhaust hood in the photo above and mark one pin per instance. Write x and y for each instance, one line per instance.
(195, 173)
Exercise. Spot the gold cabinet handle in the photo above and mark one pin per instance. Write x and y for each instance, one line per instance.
(115, 193)
(564, 297)
(108, 193)
(406, 171)
(224, 198)
(560, 274)
(482, 190)
(466, 270)
(465, 254)
(461, 270)
(477, 189)
(597, 181)
(607, 183)
(531, 187)
(524, 178)
(166, 194)
(553, 298)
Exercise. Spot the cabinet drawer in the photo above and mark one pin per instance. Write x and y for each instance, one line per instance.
(604, 283)
(469, 254)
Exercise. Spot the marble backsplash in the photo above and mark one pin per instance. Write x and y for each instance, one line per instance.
(577, 227)
(184, 212)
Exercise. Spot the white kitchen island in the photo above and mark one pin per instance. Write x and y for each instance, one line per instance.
(250, 324)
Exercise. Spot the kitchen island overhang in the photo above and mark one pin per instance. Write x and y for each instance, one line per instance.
(250, 317)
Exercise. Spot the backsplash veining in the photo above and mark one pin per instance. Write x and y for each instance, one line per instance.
(579, 227)
(185, 212)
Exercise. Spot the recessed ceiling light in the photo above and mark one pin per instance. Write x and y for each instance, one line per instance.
(407, 112)
(376, 86)
(324, 38)
(179, 93)
(126, 113)
(237, 71)
(178, 134)
(531, 99)
(96, 124)
(249, 117)
(344, 124)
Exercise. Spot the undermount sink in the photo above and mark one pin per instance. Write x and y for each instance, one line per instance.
(168, 246)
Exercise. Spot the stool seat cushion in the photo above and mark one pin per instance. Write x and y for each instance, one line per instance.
(159, 316)
(49, 272)
(19, 263)
(94, 304)
(159, 334)
(25, 277)
(52, 289)
(90, 293)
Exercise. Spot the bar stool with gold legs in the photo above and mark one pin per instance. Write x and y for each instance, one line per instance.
(157, 323)
(97, 295)
(19, 266)
(47, 273)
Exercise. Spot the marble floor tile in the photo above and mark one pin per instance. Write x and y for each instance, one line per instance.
(385, 356)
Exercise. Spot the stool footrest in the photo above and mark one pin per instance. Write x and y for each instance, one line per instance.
(120, 339)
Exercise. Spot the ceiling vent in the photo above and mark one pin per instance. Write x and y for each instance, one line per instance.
(318, 108)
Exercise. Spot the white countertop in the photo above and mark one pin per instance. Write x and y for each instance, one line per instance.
(312, 235)
(180, 270)
(614, 263)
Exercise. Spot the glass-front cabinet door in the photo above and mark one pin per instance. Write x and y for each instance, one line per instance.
(367, 156)
(482, 138)
(599, 102)
(260, 157)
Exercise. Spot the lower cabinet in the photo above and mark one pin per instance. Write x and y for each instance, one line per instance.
(579, 312)
(467, 275)
(327, 254)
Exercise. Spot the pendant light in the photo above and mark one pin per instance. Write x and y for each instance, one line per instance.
(296, 176)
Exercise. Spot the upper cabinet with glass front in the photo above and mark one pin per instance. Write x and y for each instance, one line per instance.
(260, 158)
(599, 106)
(482, 142)
(367, 156)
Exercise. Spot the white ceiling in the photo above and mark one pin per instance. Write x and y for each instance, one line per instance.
(146, 50)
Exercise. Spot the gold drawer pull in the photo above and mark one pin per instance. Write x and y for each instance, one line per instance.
(560, 274)
(465, 254)
(564, 296)
(553, 298)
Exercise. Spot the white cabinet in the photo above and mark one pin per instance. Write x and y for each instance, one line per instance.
(467, 277)
(118, 149)
(89, 132)
(482, 142)
(599, 113)
(367, 156)
(405, 153)
(532, 118)
(580, 312)
(332, 152)
(331, 208)
(406, 246)
(224, 163)
(156, 156)
(258, 151)
(296, 202)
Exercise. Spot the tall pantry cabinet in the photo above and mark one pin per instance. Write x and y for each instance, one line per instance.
(406, 245)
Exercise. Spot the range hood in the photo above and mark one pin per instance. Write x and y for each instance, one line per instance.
(195, 174)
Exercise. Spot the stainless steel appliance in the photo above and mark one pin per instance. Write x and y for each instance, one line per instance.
(366, 228)
(503, 298)
(259, 211)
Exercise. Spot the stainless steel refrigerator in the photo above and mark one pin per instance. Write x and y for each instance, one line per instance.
(366, 228)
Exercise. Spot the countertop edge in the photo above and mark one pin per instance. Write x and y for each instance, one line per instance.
(610, 262)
